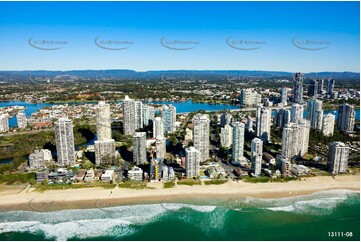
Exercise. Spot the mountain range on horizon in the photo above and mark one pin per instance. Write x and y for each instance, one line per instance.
(131, 74)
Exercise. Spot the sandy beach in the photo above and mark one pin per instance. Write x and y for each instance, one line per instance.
(29, 199)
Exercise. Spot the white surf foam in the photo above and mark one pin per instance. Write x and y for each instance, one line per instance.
(88, 223)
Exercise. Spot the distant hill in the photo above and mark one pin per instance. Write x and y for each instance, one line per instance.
(131, 74)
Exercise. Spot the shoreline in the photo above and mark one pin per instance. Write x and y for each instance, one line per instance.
(84, 198)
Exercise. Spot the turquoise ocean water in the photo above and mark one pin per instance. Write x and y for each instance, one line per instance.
(309, 217)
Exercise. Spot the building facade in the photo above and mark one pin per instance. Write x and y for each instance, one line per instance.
(158, 128)
(193, 159)
(248, 97)
(238, 142)
(139, 148)
(4, 123)
(64, 138)
(226, 136)
(337, 158)
(295, 138)
(297, 113)
(263, 123)
(161, 147)
(315, 113)
(256, 155)
(169, 115)
(298, 88)
(21, 120)
(346, 118)
(328, 124)
(226, 118)
(201, 126)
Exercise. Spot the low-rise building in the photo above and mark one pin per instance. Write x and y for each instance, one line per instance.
(286, 167)
(135, 174)
(89, 175)
(80, 175)
(108, 176)
(300, 170)
(41, 176)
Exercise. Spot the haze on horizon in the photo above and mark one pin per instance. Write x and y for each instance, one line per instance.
(208, 24)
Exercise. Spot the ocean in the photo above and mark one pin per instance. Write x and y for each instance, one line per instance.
(308, 217)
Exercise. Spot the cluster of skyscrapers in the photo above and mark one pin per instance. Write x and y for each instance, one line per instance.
(136, 115)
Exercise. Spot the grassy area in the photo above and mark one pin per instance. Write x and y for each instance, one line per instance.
(44, 187)
(284, 179)
(22, 178)
(215, 182)
(319, 172)
(133, 185)
(308, 156)
(189, 182)
(169, 184)
(255, 179)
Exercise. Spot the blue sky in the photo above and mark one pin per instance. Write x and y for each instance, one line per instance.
(208, 24)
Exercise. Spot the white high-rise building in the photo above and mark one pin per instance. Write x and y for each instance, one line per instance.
(129, 116)
(315, 113)
(298, 88)
(249, 124)
(104, 151)
(139, 148)
(103, 121)
(64, 138)
(256, 155)
(284, 96)
(226, 118)
(21, 120)
(238, 142)
(297, 113)
(158, 128)
(4, 123)
(193, 159)
(38, 159)
(346, 118)
(295, 138)
(138, 115)
(201, 135)
(328, 124)
(226, 136)
(104, 147)
(161, 148)
(248, 97)
(132, 115)
(148, 114)
(337, 158)
(283, 117)
(263, 123)
(169, 115)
